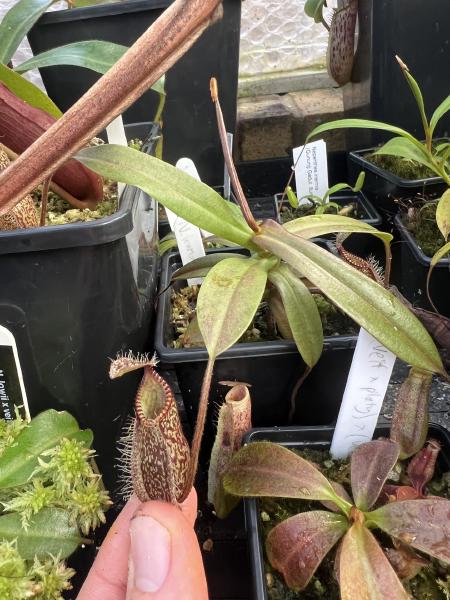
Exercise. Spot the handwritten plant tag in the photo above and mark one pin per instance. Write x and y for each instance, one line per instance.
(189, 238)
(12, 387)
(364, 393)
(188, 166)
(311, 170)
(115, 133)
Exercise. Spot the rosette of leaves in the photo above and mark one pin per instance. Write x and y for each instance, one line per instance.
(51, 498)
(297, 546)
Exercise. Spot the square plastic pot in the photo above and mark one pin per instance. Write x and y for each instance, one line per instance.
(412, 276)
(189, 119)
(383, 188)
(300, 438)
(73, 296)
(273, 369)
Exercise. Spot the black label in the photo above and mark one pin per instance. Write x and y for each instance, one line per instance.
(10, 390)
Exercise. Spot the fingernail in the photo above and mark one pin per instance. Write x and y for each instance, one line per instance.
(150, 553)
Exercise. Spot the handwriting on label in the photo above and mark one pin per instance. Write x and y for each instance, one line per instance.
(364, 393)
(311, 170)
(12, 387)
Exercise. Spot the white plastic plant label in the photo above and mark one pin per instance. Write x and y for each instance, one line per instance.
(226, 175)
(189, 238)
(188, 166)
(311, 170)
(12, 387)
(364, 393)
(115, 132)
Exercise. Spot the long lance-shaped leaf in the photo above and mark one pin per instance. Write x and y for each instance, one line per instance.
(312, 226)
(423, 524)
(51, 531)
(364, 571)
(96, 55)
(27, 91)
(371, 464)
(200, 267)
(441, 253)
(443, 214)
(362, 124)
(266, 469)
(185, 196)
(228, 300)
(399, 146)
(16, 24)
(45, 431)
(302, 313)
(365, 301)
(440, 111)
(168, 38)
(297, 546)
(417, 93)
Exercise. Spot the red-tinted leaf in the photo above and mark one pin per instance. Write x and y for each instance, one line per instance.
(421, 468)
(371, 464)
(405, 561)
(297, 546)
(266, 469)
(364, 571)
(423, 524)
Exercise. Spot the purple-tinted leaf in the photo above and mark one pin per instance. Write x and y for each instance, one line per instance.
(297, 546)
(340, 491)
(371, 464)
(364, 571)
(421, 468)
(266, 469)
(423, 524)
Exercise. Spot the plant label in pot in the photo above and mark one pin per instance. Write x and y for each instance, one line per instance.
(311, 169)
(364, 393)
(12, 388)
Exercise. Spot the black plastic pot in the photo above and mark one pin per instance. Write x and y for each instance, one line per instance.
(273, 368)
(189, 120)
(413, 275)
(360, 243)
(384, 188)
(318, 438)
(74, 296)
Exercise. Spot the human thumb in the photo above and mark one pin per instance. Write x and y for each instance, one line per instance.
(165, 559)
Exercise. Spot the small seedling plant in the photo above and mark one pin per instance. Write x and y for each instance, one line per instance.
(298, 545)
(323, 203)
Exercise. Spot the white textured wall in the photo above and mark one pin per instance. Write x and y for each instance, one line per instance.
(276, 36)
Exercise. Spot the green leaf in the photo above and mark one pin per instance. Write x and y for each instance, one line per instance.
(443, 214)
(228, 300)
(361, 124)
(399, 146)
(314, 9)
(266, 469)
(337, 188)
(45, 431)
(169, 242)
(16, 23)
(416, 91)
(185, 196)
(292, 197)
(27, 91)
(364, 570)
(371, 464)
(312, 226)
(302, 313)
(422, 524)
(440, 111)
(365, 301)
(200, 267)
(304, 539)
(97, 55)
(50, 532)
(441, 253)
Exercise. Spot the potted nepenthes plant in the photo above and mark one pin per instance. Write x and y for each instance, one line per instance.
(74, 255)
(372, 526)
(404, 167)
(52, 498)
(161, 463)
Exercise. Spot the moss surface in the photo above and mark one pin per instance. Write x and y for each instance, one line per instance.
(432, 583)
(420, 220)
(403, 168)
(287, 213)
